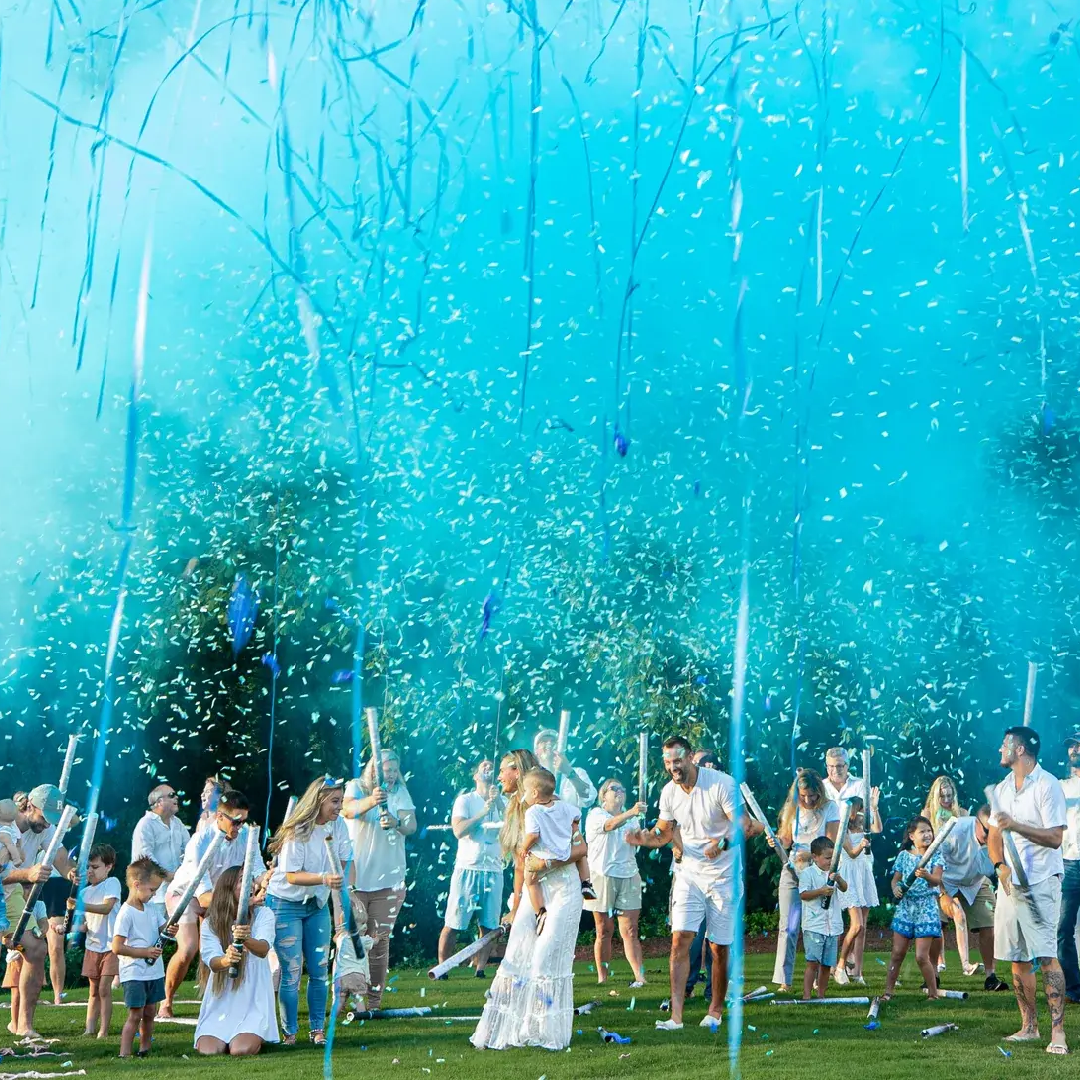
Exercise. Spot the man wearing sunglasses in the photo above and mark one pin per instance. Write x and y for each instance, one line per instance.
(231, 814)
(161, 835)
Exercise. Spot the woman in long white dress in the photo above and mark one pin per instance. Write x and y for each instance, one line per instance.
(531, 1000)
(237, 1015)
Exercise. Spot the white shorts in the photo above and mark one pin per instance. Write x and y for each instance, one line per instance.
(474, 891)
(189, 917)
(696, 898)
(1025, 921)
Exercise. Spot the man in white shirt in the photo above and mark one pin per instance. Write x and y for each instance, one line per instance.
(839, 784)
(1027, 825)
(160, 835)
(574, 785)
(477, 883)
(1070, 882)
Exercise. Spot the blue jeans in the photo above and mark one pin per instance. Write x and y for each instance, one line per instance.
(302, 940)
(1066, 930)
(697, 948)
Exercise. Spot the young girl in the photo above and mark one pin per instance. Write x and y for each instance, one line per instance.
(857, 868)
(101, 899)
(237, 1015)
(916, 915)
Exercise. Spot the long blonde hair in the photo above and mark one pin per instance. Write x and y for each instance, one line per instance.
(512, 834)
(809, 781)
(302, 821)
(220, 917)
(933, 811)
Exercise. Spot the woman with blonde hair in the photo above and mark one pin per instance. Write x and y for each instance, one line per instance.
(299, 889)
(531, 1000)
(943, 803)
(379, 820)
(806, 814)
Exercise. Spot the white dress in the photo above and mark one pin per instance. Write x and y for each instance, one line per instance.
(249, 1009)
(859, 875)
(531, 1000)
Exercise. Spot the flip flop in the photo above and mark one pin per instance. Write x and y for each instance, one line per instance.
(1019, 1037)
(1057, 1048)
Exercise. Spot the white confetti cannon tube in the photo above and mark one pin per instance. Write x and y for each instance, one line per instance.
(643, 767)
(866, 755)
(875, 1008)
(838, 849)
(1012, 854)
(758, 813)
(189, 893)
(372, 715)
(953, 995)
(493, 825)
(243, 908)
(756, 993)
(391, 1014)
(46, 860)
(69, 762)
(564, 732)
(928, 854)
(467, 953)
(939, 1029)
(80, 873)
(822, 1001)
(1029, 697)
(345, 919)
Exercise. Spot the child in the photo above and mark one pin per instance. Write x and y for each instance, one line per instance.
(135, 941)
(237, 1015)
(857, 866)
(550, 825)
(917, 914)
(821, 926)
(100, 964)
(10, 846)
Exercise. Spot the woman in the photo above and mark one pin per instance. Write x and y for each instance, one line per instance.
(807, 814)
(531, 1000)
(943, 803)
(378, 843)
(237, 1015)
(615, 875)
(298, 893)
(213, 789)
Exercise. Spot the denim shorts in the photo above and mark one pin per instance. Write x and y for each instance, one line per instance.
(138, 993)
(820, 948)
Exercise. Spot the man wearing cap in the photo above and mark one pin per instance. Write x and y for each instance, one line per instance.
(161, 835)
(1070, 882)
(574, 785)
(1027, 826)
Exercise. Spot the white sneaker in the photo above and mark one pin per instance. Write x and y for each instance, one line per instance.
(668, 1025)
(711, 1022)
(941, 967)
(637, 984)
(858, 980)
(840, 977)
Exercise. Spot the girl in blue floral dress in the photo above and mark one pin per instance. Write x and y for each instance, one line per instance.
(916, 916)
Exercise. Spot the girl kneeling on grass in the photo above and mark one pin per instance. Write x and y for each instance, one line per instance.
(916, 915)
(237, 1015)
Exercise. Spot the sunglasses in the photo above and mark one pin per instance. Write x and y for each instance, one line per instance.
(229, 817)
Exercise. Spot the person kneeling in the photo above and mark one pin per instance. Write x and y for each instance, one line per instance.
(237, 1015)
(821, 925)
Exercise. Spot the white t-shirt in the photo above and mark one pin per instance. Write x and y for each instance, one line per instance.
(555, 824)
(808, 825)
(378, 853)
(310, 856)
(814, 917)
(1040, 802)
(229, 853)
(703, 813)
(140, 930)
(35, 844)
(609, 853)
(967, 864)
(479, 848)
(853, 788)
(165, 844)
(1070, 846)
(100, 928)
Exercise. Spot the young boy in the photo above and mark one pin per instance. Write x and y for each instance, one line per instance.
(135, 942)
(550, 825)
(11, 856)
(100, 964)
(821, 927)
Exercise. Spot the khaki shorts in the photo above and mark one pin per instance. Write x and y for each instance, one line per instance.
(100, 965)
(615, 894)
(980, 914)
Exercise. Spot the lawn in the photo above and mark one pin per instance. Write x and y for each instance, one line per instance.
(784, 1043)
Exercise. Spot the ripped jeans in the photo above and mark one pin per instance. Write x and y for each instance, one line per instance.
(302, 940)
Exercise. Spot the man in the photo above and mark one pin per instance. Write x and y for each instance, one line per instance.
(966, 878)
(1027, 826)
(477, 883)
(702, 802)
(37, 819)
(574, 785)
(840, 785)
(160, 835)
(231, 813)
(703, 759)
(1070, 884)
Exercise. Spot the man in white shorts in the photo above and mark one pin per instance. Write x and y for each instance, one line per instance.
(477, 884)
(702, 802)
(1027, 826)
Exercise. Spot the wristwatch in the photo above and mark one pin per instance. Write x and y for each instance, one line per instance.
(1000, 864)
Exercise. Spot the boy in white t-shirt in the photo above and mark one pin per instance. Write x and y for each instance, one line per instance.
(100, 901)
(550, 825)
(135, 941)
(821, 926)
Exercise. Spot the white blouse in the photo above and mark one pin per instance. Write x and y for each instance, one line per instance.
(310, 857)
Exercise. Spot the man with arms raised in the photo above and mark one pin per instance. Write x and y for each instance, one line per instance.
(1027, 824)
(574, 785)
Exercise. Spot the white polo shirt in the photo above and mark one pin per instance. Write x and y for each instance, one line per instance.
(1040, 803)
(1070, 847)
(853, 788)
(967, 864)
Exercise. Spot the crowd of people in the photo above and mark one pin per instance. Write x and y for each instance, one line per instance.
(335, 879)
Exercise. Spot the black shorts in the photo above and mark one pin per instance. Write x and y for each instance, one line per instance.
(54, 895)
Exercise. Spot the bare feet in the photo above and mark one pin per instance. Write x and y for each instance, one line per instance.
(165, 1012)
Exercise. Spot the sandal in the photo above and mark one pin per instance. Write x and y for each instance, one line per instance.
(1057, 1048)
(288, 1040)
(317, 1037)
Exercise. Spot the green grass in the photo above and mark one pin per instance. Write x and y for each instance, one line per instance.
(790, 1043)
